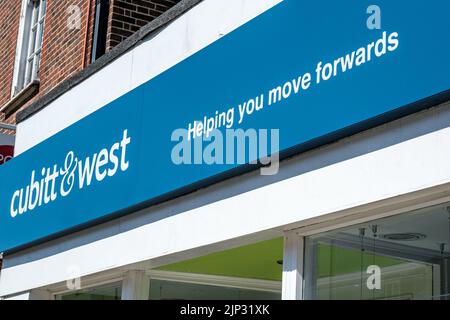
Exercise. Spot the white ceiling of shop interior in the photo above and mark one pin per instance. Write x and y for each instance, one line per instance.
(434, 223)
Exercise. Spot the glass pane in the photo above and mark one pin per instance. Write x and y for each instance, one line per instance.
(44, 8)
(216, 275)
(32, 43)
(41, 10)
(401, 257)
(35, 14)
(172, 290)
(28, 71)
(36, 61)
(107, 292)
(341, 273)
(41, 34)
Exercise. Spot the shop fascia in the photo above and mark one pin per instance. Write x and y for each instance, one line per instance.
(49, 183)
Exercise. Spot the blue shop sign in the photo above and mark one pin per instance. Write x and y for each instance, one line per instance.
(314, 70)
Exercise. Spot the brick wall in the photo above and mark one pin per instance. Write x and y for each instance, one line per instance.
(128, 16)
(9, 25)
(66, 51)
(65, 48)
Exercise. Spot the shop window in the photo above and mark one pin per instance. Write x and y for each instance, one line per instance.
(251, 272)
(29, 45)
(112, 291)
(401, 257)
(173, 290)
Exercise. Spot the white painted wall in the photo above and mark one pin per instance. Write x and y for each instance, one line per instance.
(202, 25)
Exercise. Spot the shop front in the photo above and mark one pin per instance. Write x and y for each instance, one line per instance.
(404, 256)
(302, 161)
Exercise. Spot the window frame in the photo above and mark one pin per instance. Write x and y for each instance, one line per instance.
(102, 10)
(29, 45)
